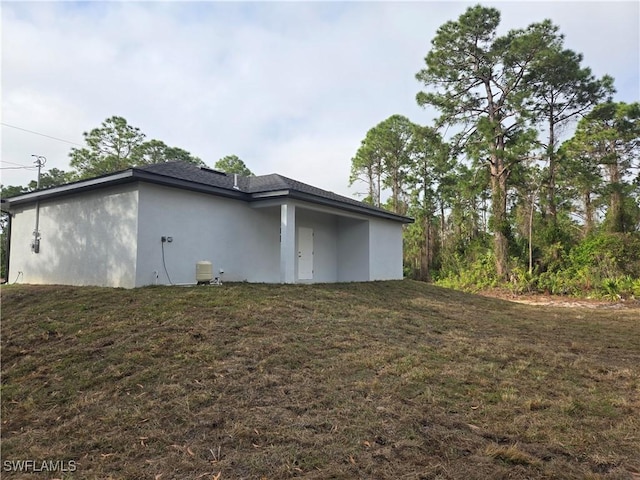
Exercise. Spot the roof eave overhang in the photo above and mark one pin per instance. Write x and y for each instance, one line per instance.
(352, 208)
(361, 209)
(134, 175)
(127, 176)
(4, 206)
(119, 178)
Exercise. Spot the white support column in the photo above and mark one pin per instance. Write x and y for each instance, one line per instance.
(287, 243)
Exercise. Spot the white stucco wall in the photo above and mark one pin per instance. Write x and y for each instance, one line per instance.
(385, 250)
(111, 237)
(86, 239)
(353, 250)
(243, 241)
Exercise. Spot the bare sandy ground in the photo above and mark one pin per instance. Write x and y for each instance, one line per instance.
(560, 301)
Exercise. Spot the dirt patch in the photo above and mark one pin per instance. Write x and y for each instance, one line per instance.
(560, 301)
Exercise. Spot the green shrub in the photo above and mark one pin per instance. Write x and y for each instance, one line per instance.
(620, 287)
(606, 265)
(610, 255)
(610, 289)
(562, 282)
(478, 275)
(521, 281)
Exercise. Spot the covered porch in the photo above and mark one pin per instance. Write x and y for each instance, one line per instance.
(322, 244)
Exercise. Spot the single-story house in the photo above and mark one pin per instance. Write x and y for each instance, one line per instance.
(153, 224)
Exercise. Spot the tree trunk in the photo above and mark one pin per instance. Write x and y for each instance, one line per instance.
(425, 271)
(551, 188)
(615, 214)
(589, 220)
(531, 211)
(426, 208)
(378, 190)
(474, 218)
(498, 186)
(396, 195)
(499, 214)
(442, 225)
(372, 197)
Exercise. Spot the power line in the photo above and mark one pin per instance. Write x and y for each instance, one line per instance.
(14, 163)
(41, 134)
(18, 168)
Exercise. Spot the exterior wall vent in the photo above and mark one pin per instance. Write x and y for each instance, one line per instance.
(213, 170)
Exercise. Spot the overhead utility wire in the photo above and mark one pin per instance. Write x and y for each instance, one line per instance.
(14, 163)
(41, 134)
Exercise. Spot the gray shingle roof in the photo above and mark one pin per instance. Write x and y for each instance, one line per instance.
(191, 173)
(256, 185)
(189, 176)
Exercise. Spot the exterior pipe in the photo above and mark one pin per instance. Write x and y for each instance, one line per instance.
(35, 246)
(7, 247)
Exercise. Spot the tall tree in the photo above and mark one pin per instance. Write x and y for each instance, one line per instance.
(395, 139)
(476, 80)
(561, 90)
(110, 148)
(609, 136)
(156, 151)
(366, 166)
(233, 164)
(465, 201)
(427, 172)
(116, 145)
(385, 156)
(581, 182)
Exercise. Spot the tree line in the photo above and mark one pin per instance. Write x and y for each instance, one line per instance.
(498, 198)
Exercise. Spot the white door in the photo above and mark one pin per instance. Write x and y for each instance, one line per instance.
(305, 253)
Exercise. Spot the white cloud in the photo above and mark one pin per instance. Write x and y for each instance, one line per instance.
(291, 88)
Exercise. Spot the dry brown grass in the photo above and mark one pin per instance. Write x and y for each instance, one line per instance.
(379, 380)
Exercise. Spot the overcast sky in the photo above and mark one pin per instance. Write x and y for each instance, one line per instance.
(289, 87)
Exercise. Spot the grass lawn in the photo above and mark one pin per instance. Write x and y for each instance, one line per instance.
(385, 380)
